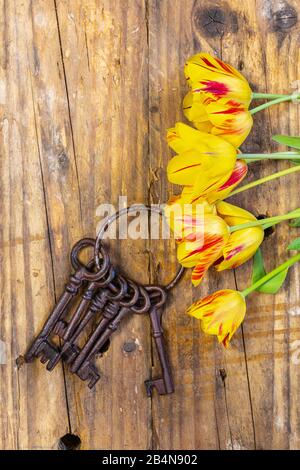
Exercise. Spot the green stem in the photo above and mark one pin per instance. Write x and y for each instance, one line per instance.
(270, 103)
(270, 220)
(288, 171)
(271, 274)
(266, 96)
(270, 156)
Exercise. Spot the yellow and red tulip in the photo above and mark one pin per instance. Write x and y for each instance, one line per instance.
(239, 172)
(220, 313)
(204, 161)
(242, 244)
(219, 99)
(202, 246)
(216, 79)
(185, 219)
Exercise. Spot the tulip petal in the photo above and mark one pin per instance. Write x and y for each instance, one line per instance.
(232, 122)
(220, 313)
(202, 251)
(205, 161)
(183, 138)
(233, 215)
(209, 75)
(240, 247)
(194, 108)
(183, 169)
(185, 219)
(239, 172)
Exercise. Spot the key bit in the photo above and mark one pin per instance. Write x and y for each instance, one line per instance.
(89, 372)
(159, 384)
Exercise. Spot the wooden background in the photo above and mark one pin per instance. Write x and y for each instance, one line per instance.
(87, 90)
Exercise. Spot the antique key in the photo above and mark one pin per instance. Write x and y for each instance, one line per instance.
(42, 346)
(113, 313)
(115, 297)
(70, 350)
(164, 385)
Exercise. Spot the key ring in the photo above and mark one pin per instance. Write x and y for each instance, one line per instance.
(102, 263)
(116, 216)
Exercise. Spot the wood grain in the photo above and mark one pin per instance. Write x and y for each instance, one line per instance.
(104, 49)
(87, 91)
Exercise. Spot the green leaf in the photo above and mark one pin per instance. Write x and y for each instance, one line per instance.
(258, 267)
(273, 285)
(294, 245)
(288, 140)
(295, 223)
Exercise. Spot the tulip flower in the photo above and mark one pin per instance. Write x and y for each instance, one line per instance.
(219, 99)
(242, 244)
(220, 313)
(239, 172)
(201, 248)
(185, 219)
(216, 79)
(204, 161)
(227, 118)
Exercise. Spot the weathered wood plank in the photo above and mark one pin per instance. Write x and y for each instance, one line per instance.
(104, 46)
(201, 414)
(33, 408)
(271, 326)
(226, 28)
(77, 98)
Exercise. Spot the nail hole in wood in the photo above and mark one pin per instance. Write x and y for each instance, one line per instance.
(268, 231)
(223, 374)
(129, 347)
(105, 347)
(69, 442)
(20, 361)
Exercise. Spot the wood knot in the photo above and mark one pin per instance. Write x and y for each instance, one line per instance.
(214, 21)
(223, 374)
(154, 109)
(284, 19)
(63, 161)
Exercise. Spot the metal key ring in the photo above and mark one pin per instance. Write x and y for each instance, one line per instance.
(111, 274)
(146, 305)
(117, 215)
(132, 300)
(102, 265)
(119, 291)
(161, 291)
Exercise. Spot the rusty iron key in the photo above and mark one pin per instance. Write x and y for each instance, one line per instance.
(113, 314)
(115, 297)
(42, 345)
(70, 350)
(164, 385)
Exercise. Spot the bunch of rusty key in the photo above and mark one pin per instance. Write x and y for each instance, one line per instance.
(101, 298)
